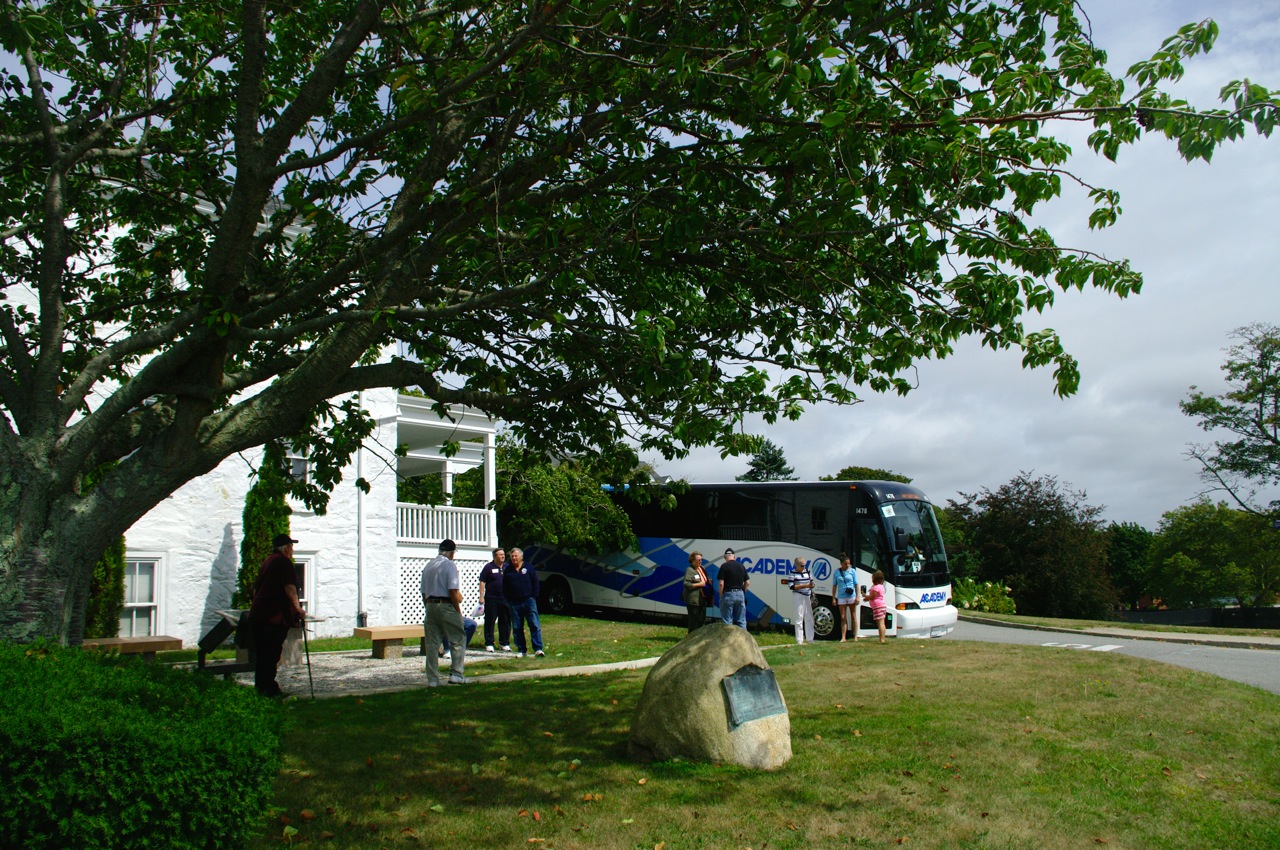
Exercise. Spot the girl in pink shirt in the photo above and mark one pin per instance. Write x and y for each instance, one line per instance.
(876, 598)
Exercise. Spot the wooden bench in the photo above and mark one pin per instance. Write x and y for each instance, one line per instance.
(146, 646)
(388, 641)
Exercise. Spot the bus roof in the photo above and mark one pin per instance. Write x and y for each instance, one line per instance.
(880, 491)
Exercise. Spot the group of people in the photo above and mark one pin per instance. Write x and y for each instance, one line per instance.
(508, 600)
(732, 583)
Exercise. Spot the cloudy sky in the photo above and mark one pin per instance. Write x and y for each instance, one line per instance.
(1207, 240)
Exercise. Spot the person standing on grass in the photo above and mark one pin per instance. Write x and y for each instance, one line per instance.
(801, 582)
(879, 607)
(442, 602)
(845, 597)
(732, 583)
(697, 587)
(275, 609)
(494, 602)
(520, 587)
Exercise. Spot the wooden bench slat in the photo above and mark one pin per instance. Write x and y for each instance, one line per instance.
(127, 645)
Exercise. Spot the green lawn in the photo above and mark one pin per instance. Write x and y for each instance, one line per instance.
(938, 744)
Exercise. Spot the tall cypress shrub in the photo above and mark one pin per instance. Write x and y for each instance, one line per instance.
(106, 593)
(266, 514)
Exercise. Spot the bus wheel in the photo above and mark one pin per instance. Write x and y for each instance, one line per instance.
(824, 621)
(557, 598)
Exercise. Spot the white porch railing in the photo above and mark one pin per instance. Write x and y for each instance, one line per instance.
(427, 524)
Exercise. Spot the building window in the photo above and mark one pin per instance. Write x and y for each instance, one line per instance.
(138, 617)
(303, 565)
(299, 468)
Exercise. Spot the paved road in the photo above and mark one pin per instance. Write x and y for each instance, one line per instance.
(1257, 667)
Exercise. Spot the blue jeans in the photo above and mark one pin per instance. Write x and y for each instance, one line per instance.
(733, 608)
(522, 611)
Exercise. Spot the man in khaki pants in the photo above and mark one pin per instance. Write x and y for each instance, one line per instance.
(442, 600)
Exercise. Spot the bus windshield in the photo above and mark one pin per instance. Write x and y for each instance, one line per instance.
(924, 563)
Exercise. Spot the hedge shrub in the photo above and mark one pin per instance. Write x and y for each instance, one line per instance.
(988, 596)
(106, 751)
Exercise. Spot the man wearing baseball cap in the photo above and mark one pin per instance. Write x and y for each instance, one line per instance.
(733, 583)
(442, 599)
(274, 611)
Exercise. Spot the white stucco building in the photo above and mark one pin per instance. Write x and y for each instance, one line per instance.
(358, 564)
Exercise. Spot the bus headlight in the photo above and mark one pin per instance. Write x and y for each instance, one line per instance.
(907, 606)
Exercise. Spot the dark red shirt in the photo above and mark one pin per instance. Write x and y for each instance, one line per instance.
(270, 603)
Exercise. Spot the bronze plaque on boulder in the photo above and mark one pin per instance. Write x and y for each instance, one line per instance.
(752, 693)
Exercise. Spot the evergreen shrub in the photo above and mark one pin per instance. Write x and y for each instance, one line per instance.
(108, 751)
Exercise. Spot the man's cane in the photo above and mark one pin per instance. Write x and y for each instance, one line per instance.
(307, 647)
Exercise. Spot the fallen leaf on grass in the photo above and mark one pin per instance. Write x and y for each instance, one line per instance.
(659, 845)
(307, 814)
(537, 816)
(325, 836)
(857, 733)
(907, 773)
(547, 735)
(838, 705)
(369, 761)
(579, 827)
(475, 768)
(628, 820)
(791, 826)
(408, 830)
(556, 808)
(902, 840)
(642, 781)
(944, 788)
(536, 841)
(986, 814)
(592, 798)
(286, 820)
(438, 809)
(1166, 771)
(290, 831)
(1100, 840)
(1200, 775)
(523, 813)
(328, 810)
(817, 737)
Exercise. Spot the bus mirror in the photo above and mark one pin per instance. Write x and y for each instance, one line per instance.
(900, 540)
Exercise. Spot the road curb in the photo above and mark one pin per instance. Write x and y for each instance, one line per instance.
(1127, 634)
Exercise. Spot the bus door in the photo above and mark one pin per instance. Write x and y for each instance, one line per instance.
(870, 553)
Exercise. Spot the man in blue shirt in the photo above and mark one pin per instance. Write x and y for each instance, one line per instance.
(520, 587)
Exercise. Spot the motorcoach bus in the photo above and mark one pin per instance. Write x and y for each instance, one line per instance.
(881, 525)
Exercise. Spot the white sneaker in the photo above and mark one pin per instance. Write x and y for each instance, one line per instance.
(489, 648)
(521, 655)
(539, 653)
(455, 679)
(433, 683)
(506, 647)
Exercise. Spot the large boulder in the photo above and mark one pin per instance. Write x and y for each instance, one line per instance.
(684, 712)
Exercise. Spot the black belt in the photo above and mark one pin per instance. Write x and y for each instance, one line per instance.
(439, 599)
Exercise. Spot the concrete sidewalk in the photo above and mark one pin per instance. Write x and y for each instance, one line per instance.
(1231, 641)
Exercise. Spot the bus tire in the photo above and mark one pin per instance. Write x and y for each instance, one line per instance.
(825, 624)
(557, 598)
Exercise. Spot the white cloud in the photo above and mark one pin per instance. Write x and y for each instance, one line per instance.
(1204, 238)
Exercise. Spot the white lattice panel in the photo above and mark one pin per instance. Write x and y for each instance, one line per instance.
(411, 588)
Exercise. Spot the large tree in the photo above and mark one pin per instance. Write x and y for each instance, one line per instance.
(595, 220)
(1246, 465)
(1207, 552)
(1043, 541)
